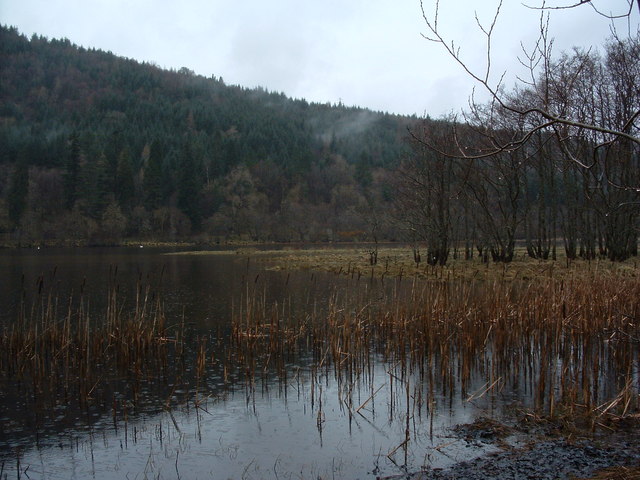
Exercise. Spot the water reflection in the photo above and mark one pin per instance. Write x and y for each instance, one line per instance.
(264, 434)
(129, 419)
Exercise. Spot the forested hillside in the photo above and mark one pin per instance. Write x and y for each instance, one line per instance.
(98, 148)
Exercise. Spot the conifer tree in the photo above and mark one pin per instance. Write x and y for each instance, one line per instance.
(188, 190)
(124, 187)
(95, 194)
(72, 171)
(18, 190)
(153, 178)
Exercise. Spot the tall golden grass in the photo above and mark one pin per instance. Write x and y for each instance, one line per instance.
(570, 344)
(66, 347)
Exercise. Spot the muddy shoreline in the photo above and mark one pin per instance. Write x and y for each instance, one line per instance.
(540, 454)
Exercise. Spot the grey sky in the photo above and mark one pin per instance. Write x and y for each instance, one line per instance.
(368, 53)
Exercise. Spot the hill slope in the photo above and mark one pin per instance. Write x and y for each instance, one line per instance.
(94, 146)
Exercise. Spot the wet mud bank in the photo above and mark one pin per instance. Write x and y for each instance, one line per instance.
(545, 460)
(611, 455)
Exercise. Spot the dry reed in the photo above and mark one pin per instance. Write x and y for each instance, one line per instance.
(569, 345)
(65, 348)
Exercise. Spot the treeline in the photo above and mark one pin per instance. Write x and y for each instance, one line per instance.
(521, 177)
(96, 148)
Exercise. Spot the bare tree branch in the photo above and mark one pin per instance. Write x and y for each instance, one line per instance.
(539, 55)
(591, 4)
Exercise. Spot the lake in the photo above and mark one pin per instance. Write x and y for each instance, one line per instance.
(240, 402)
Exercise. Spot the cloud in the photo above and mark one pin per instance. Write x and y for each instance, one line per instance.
(266, 53)
(364, 52)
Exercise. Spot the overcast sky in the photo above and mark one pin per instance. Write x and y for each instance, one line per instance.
(368, 53)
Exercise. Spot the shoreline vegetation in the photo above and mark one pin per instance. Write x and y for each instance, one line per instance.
(568, 328)
(398, 261)
(566, 332)
(388, 260)
(580, 301)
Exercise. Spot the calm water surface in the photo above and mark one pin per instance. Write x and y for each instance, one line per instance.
(302, 426)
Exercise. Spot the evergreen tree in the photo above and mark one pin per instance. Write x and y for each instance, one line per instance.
(112, 104)
(18, 190)
(363, 170)
(124, 187)
(95, 194)
(188, 188)
(113, 149)
(72, 171)
(153, 178)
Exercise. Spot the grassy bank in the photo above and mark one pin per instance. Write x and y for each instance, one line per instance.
(398, 261)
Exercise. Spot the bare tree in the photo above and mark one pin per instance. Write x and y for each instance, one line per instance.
(427, 188)
(496, 186)
(573, 120)
(542, 112)
(604, 91)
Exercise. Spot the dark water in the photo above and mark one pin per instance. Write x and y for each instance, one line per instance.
(201, 285)
(304, 425)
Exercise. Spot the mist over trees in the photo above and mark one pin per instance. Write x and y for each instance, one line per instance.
(97, 148)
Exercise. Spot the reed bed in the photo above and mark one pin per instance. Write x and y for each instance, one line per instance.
(568, 345)
(560, 346)
(65, 349)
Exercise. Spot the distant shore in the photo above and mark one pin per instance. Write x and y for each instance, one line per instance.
(397, 260)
